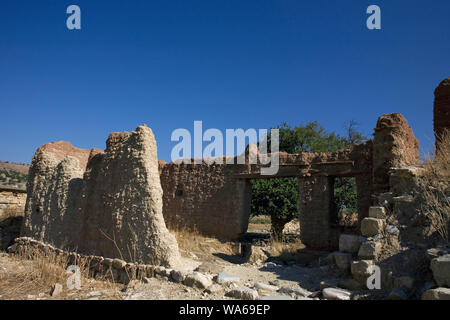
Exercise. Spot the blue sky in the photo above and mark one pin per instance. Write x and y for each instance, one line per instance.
(231, 63)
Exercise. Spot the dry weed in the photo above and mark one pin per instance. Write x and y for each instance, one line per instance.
(435, 187)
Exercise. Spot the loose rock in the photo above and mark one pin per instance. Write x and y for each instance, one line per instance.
(350, 243)
(371, 226)
(369, 250)
(56, 290)
(244, 293)
(336, 294)
(223, 278)
(437, 294)
(197, 280)
(343, 261)
(441, 270)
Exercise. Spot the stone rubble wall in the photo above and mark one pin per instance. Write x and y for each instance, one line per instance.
(12, 201)
(116, 270)
(394, 146)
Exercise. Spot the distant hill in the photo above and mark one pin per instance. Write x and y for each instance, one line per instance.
(13, 175)
(18, 167)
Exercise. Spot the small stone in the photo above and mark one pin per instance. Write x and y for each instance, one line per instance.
(437, 294)
(118, 264)
(146, 280)
(160, 270)
(223, 278)
(244, 293)
(343, 261)
(179, 275)
(361, 269)
(377, 212)
(56, 290)
(293, 289)
(209, 267)
(255, 255)
(369, 250)
(397, 294)
(270, 265)
(215, 288)
(166, 272)
(265, 287)
(392, 230)
(108, 262)
(275, 282)
(433, 253)
(350, 243)
(371, 226)
(336, 294)
(441, 270)
(197, 280)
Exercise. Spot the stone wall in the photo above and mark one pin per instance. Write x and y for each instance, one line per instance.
(12, 202)
(105, 203)
(441, 111)
(394, 146)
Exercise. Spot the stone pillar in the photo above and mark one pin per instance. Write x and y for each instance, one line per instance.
(242, 204)
(317, 213)
(364, 195)
(441, 111)
(394, 145)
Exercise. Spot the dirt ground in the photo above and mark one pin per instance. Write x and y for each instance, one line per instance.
(32, 280)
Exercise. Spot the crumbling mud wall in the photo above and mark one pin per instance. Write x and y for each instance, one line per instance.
(12, 201)
(105, 203)
(394, 146)
(206, 197)
(441, 111)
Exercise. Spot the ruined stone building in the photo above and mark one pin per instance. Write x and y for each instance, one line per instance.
(117, 202)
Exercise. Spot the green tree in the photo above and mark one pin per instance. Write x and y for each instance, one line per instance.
(279, 197)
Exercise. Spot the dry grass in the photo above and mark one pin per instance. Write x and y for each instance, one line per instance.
(33, 272)
(435, 187)
(285, 251)
(192, 242)
(37, 274)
